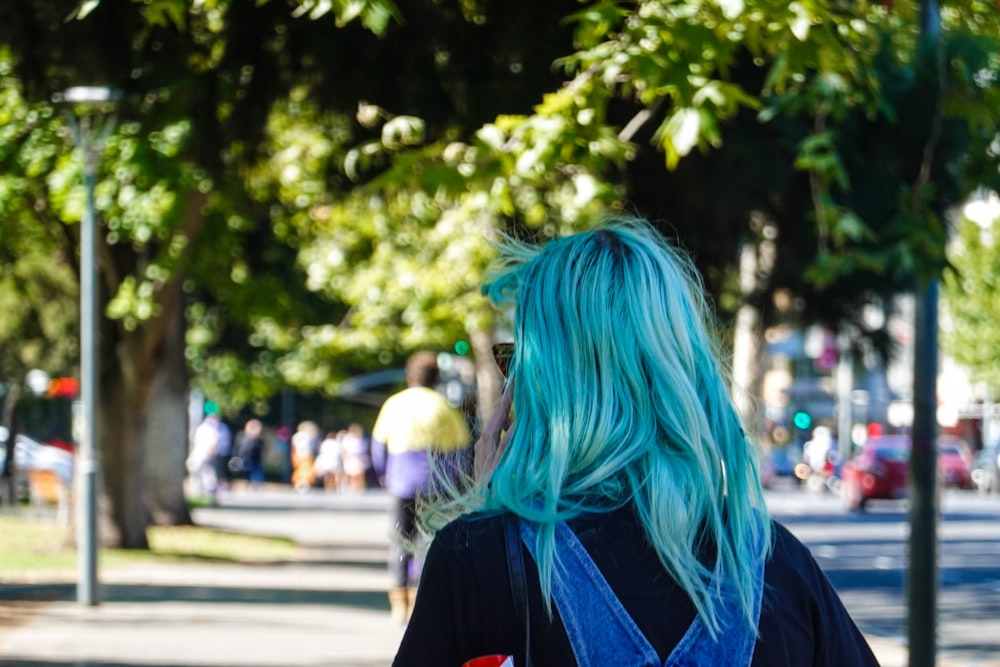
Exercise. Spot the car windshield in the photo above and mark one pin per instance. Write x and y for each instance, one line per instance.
(893, 453)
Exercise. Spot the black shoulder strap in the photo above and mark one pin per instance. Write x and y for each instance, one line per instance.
(518, 583)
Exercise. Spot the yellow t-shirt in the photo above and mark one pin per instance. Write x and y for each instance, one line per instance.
(419, 418)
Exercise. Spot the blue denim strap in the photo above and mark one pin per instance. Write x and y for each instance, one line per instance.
(735, 642)
(599, 629)
(602, 633)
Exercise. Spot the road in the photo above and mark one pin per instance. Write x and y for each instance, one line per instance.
(865, 556)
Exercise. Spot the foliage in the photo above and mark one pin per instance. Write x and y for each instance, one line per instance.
(971, 327)
(38, 288)
(323, 177)
(384, 216)
(807, 112)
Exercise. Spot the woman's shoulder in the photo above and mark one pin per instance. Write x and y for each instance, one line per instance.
(788, 551)
(473, 531)
(792, 568)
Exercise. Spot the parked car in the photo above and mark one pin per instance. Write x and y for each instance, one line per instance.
(881, 469)
(878, 471)
(985, 471)
(954, 462)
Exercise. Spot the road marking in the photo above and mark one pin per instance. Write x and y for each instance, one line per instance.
(826, 551)
(885, 563)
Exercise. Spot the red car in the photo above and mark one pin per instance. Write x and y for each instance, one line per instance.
(879, 471)
(954, 462)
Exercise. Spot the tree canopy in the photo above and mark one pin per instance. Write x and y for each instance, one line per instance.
(971, 327)
(307, 188)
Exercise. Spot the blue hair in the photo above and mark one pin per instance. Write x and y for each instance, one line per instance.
(621, 397)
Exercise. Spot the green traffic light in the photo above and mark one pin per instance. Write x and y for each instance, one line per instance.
(802, 420)
(462, 347)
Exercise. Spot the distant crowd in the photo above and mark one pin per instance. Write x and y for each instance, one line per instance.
(334, 460)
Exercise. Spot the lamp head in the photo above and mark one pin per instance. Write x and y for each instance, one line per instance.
(88, 95)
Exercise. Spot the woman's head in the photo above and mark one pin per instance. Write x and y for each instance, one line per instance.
(614, 366)
(621, 397)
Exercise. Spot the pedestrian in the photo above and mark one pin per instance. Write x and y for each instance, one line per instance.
(250, 453)
(355, 457)
(202, 460)
(305, 444)
(625, 485)
(224, 451)
(283, 447)
(329, 462)
(416, 429)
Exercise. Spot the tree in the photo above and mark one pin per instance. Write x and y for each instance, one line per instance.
(38, 290)
(467, 130)
(812, 118)
(971, 329)
(178, 195)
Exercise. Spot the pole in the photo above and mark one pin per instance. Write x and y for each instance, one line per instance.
(921, 576)
(845, 408)
(87, 456)
(921, 583)
(94, 102)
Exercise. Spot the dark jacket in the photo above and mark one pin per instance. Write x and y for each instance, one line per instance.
(464, 606)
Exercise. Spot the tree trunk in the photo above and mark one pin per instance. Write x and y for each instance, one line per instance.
(130, 363)
(489, 384)
(165, 436)
(746, 341)
(121, 412)
(8, 487)
(755, 266)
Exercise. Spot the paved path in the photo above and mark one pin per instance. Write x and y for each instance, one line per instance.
(328, 608)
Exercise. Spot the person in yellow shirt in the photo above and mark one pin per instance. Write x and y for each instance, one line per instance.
(413, 427)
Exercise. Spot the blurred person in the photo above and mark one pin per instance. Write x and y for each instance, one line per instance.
(283, 446)
(625, 486)
(355, 455)
(202, 460)
(249, 450)
(415, 429)
(223, 453)
(817, 450)
(305, 442)
(329, 461)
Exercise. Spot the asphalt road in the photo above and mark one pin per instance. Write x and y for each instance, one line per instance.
(865, 556)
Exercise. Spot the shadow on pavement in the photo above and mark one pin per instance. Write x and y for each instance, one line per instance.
(373, 600)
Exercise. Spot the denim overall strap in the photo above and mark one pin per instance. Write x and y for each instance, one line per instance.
(599, 628)
(735, 642)
(602, 633)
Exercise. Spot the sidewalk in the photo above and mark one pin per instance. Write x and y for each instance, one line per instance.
(326, 609)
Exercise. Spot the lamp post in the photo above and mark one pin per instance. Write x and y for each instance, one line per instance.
(90, 116)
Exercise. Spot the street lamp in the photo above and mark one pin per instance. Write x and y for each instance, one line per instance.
(90, 115)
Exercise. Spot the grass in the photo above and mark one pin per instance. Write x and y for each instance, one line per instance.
(33, 548)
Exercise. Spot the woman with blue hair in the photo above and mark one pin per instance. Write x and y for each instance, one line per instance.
(626, 483)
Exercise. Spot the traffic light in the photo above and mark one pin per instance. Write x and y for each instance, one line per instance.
(802, 420)
(462, 348)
